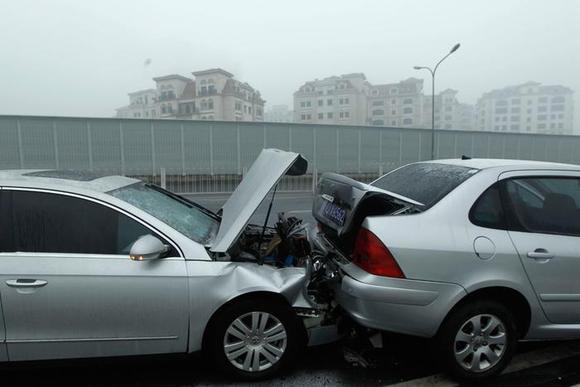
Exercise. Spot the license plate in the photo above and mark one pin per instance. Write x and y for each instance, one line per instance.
(334, 213)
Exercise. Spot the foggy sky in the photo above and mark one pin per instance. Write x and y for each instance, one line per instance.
(81, 58)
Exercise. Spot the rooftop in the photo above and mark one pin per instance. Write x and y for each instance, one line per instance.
(170, 77)
(213, 71)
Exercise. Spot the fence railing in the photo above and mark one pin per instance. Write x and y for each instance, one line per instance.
(191, 184)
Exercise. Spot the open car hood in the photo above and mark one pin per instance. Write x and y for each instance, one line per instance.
(270, 166)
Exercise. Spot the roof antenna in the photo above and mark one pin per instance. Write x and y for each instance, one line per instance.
(463, 157)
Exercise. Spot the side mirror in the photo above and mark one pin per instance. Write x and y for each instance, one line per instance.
(146, 248)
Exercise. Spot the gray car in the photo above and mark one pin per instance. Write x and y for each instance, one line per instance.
(95, 266)
(476, 253)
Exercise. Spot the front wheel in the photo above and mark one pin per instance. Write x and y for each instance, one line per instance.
(254, 339)
(478, 340)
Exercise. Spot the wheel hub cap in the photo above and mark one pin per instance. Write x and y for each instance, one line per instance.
(480, 343)
(255, 341)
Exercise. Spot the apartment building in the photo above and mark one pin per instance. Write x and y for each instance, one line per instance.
(529, 108)
(338, 100)
(212, 94)
(396, 104)
(449, 112)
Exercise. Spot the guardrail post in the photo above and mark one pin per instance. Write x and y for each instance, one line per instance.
(163, 178)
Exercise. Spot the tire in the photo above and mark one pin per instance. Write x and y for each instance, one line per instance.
(472, 354)
(260, 353)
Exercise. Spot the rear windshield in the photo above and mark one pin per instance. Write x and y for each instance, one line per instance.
(426, 183)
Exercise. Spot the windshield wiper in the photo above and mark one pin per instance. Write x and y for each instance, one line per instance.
(183, 200)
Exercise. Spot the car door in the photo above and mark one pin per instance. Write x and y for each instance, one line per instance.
(544, 225)
(69, 289)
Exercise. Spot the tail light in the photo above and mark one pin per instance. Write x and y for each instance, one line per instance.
(371, 255)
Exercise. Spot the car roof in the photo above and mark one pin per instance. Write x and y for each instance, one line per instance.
(63, 179)
(506, 164)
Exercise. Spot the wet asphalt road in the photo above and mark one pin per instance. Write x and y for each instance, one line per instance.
(402, 360)
(405, 359)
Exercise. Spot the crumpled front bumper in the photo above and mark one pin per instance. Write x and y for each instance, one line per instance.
(397, 305)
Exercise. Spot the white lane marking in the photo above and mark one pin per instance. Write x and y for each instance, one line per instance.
(298, 211)
(520, 362)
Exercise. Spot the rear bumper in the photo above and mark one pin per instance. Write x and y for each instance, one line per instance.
(397, 305)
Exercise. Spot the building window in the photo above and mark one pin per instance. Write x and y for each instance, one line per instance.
(329, 115)
(543, 99)
(378, 103)
(393, 122)
(320, 102)
(320, 116)
(258, 111)
(245, 109)
(393, 101)
(249, 109)
(303, 117)
(447, 118)
(557, 108)
(378, 122)
(501, 102)
(302, 104)
(514, 127)
(542, 117)
(448, 108)
(346, 114)
(541, 126)
(407, 101)
(308, 104)
(308, 116)
(516, 101)
(238, 106)
(394, 91)
(408, 110)
(501, 110)
(516, 110)
(378, 112)
(558, 99)
(375, 92)
(407, 121)
(393, 112)
(514, 118)
(329, 102)
(542, 109)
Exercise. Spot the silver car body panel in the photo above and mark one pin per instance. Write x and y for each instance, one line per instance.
(441, 247)
(266, 171)
(108, 305)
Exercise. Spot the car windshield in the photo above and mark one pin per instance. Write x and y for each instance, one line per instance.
(190, 219)
(426, 183)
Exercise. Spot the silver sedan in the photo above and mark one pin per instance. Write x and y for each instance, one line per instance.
(96, 266)
(476, 253)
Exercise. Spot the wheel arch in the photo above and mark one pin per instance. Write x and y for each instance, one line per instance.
(507, 296)
(261, 295)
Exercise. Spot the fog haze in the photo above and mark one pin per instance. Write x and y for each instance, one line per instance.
(77, 58)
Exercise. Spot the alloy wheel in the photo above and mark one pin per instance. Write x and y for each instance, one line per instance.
(480, 343)
(255, 341)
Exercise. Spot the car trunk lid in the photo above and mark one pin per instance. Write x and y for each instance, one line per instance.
(341, 204)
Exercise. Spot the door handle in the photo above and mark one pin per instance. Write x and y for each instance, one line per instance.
(26, 283)
(540, 254)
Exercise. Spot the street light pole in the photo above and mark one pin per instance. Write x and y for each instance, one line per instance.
(432, 71)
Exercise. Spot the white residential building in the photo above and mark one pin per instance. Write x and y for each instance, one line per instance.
(528, 108)
(449, 112)
(396, 104)
(333, 100)
(212, 94)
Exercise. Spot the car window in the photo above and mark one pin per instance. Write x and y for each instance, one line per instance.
(53, 223)
(187, 218)
(548, 205)
(487, 210)
(426, 183)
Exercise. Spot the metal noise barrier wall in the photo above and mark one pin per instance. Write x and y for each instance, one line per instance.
(211, 156)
